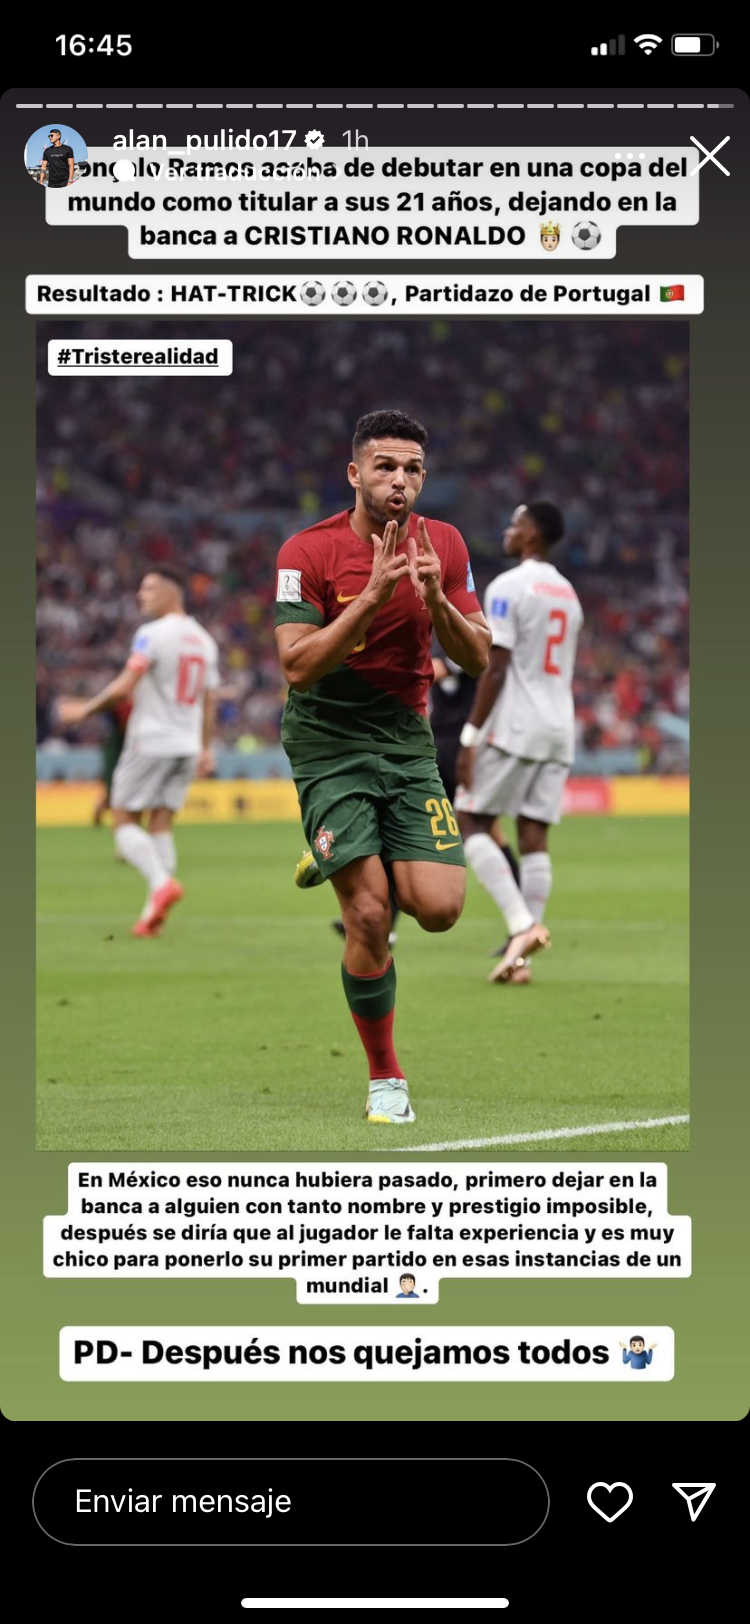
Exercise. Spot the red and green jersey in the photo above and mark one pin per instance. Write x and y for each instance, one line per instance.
(377, 698)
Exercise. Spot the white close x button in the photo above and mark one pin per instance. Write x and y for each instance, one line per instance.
(709, 155)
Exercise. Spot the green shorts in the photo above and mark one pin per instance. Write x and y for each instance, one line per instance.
(364, 805)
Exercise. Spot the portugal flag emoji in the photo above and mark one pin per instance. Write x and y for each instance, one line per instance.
(676, 290)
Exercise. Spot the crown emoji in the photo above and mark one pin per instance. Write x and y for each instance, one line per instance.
(549, 229)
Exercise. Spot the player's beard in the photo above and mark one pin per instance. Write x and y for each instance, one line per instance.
(381, 514)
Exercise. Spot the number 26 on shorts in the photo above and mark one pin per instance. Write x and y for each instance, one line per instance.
(442, 821)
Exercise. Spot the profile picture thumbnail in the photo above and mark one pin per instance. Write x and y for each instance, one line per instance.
(53, 155)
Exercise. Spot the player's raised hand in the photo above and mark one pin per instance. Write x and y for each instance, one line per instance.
(388, 566)
(71, 711)
(424, 565)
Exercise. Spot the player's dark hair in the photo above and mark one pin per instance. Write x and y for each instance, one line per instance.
(55, 131)
(407, 1276)
(637, 1339)
(388, 425)
(168, 573)
(548, 520)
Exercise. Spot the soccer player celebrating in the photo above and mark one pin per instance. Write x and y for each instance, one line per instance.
(359, 597)
(518, 743)
(171, 677)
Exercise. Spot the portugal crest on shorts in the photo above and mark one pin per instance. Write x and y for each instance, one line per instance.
(323, 842)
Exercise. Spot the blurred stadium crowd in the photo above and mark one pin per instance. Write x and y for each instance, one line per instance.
(213, 474)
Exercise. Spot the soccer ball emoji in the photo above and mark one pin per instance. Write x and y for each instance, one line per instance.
(375, 293)
(344, 293)
(586, 235)
(312, 293)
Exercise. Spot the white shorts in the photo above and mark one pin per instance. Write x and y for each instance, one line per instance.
(140, 783)
(507, 786)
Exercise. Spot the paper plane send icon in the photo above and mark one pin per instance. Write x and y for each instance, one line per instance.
(695, 1496)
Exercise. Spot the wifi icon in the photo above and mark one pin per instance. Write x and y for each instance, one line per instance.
(648, 42)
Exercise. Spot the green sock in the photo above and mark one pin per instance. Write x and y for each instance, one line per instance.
(370, 996)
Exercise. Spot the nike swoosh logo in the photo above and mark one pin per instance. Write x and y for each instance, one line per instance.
(445, 845)
(341, 599)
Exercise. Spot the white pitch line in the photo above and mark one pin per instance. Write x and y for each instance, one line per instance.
(538, 1138)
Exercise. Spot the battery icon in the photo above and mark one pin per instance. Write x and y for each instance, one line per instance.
(694, 44)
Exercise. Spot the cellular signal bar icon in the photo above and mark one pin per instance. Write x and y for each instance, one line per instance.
(616, 47)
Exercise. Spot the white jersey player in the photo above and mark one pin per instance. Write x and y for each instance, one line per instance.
(171, 677)
(517, 745)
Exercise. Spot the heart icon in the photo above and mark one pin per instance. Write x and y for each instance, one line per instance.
(609, 1488)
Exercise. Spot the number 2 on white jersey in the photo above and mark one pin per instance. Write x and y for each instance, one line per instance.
(190, 674)
(554, 640)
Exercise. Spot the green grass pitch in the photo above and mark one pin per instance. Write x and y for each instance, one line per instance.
(229, 1035)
